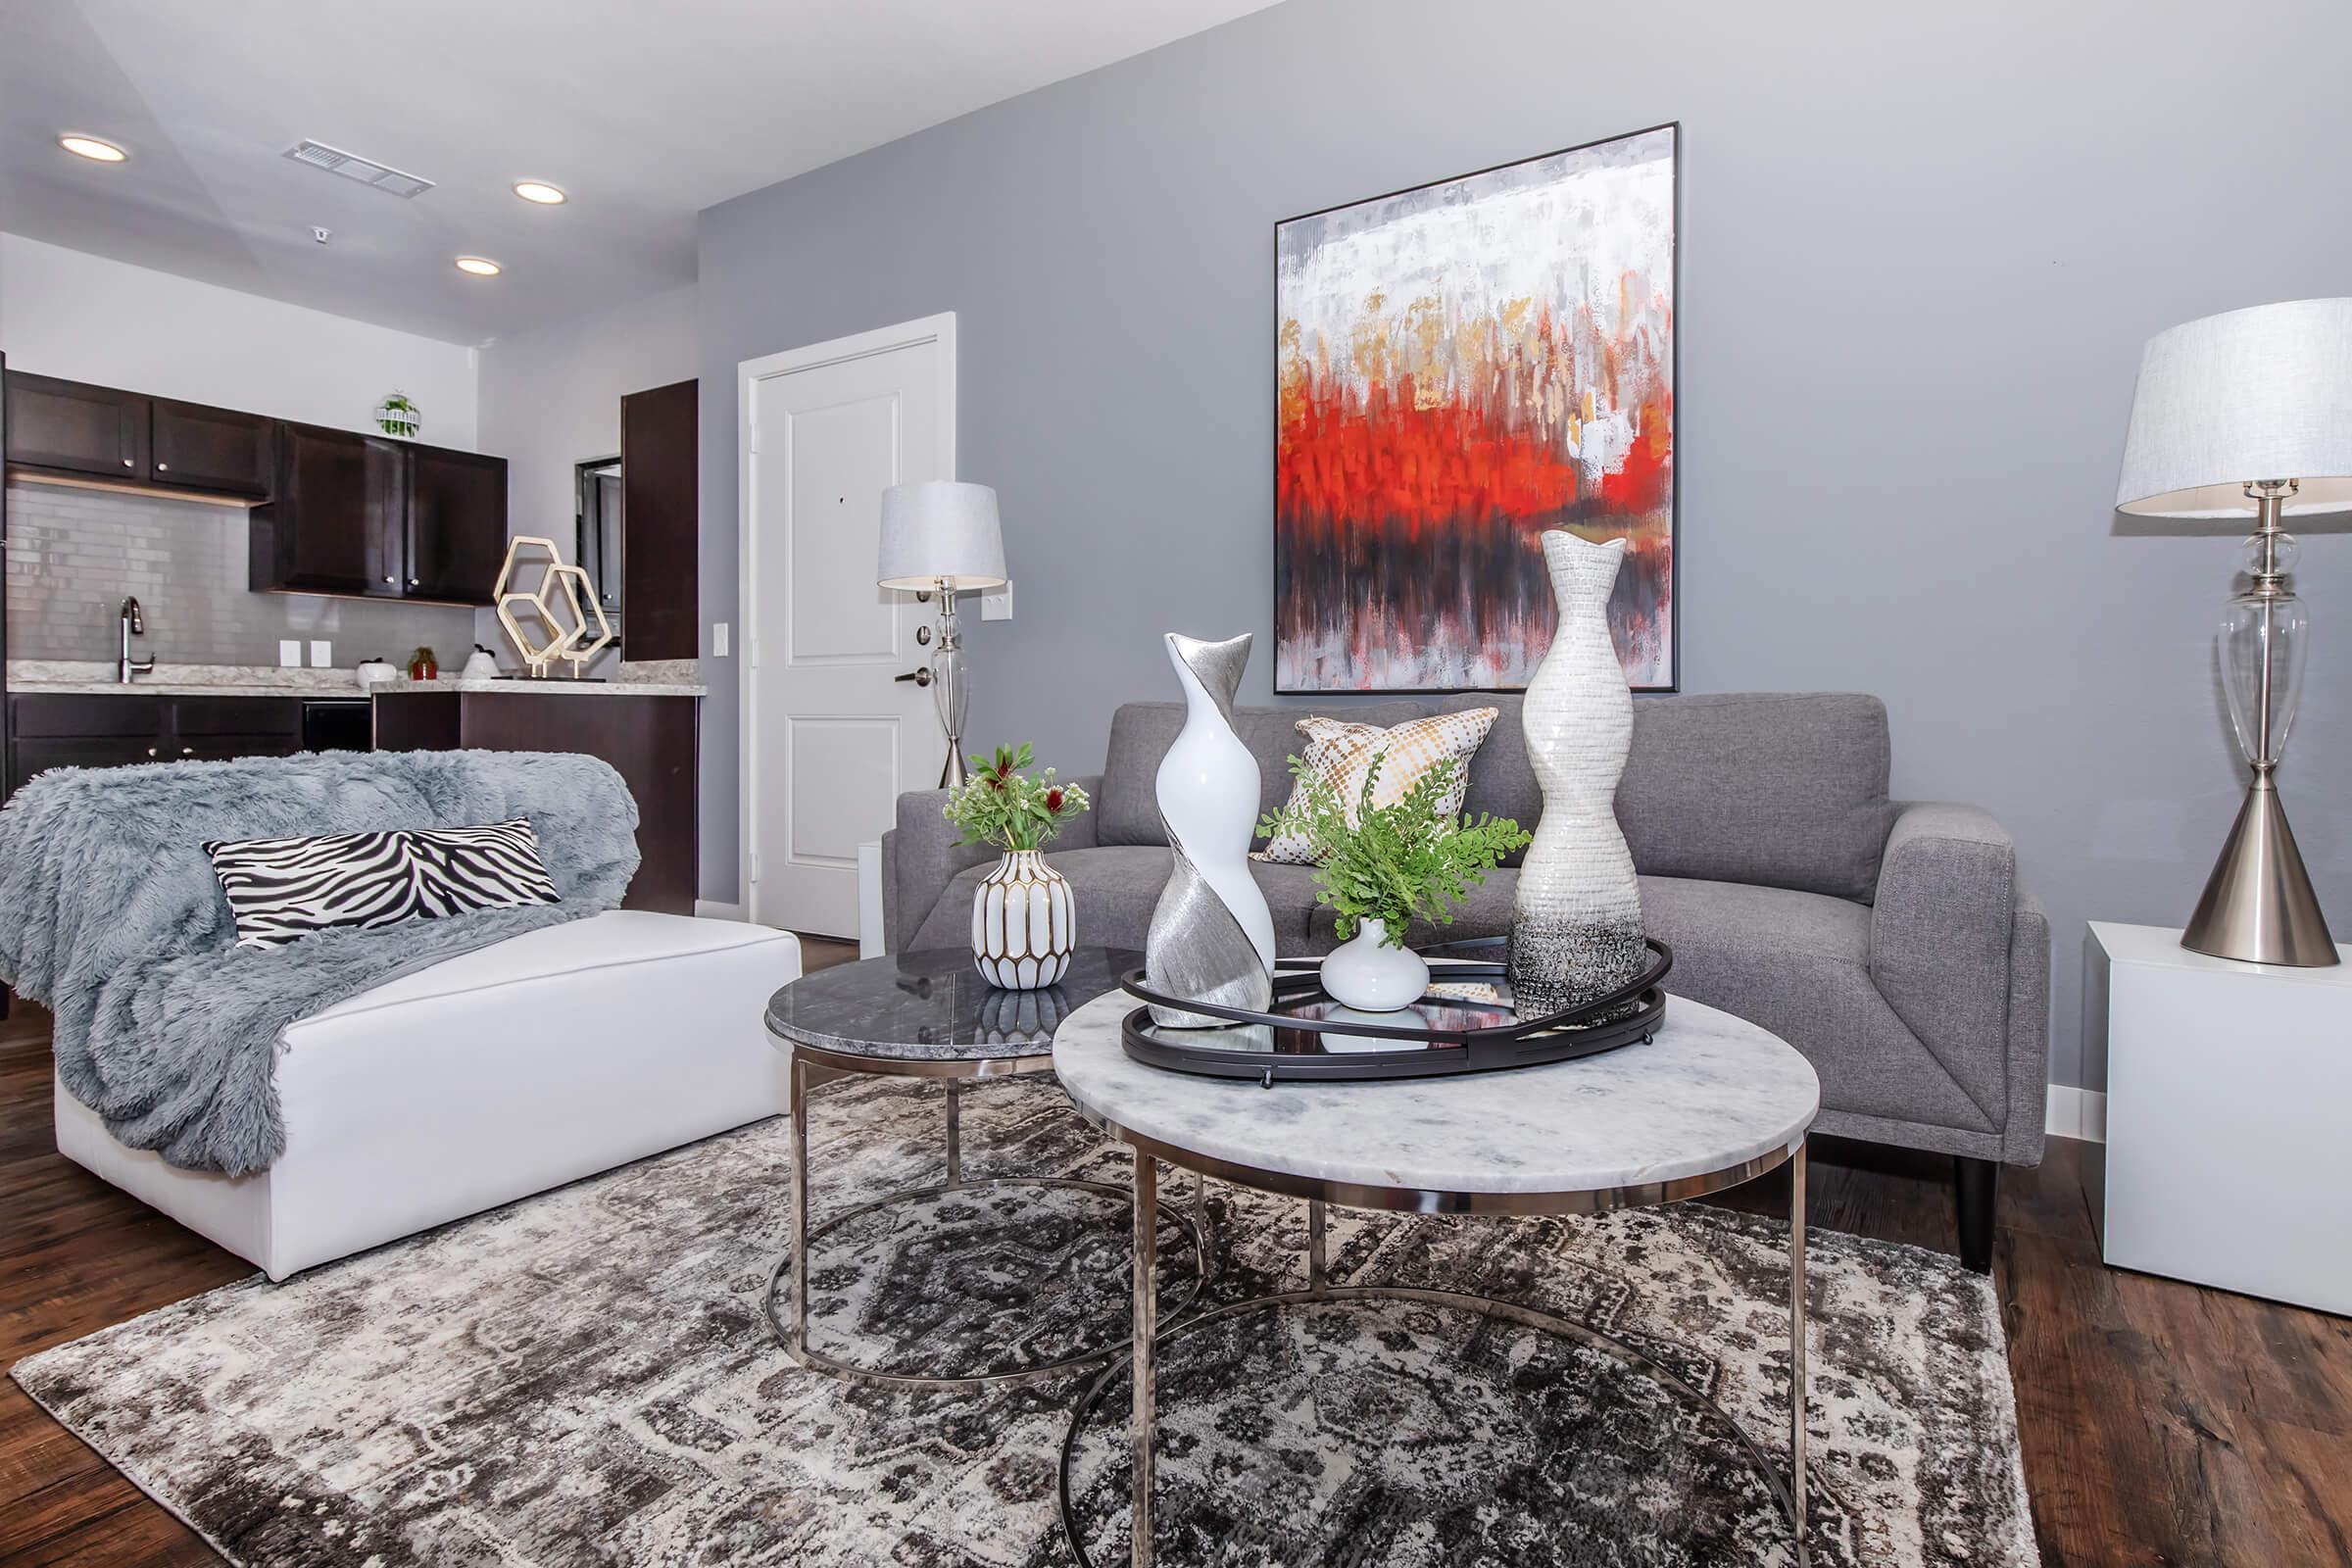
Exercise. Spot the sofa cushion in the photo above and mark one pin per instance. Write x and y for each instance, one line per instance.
(1343, 754)
(1783, 790)
(1141, 733)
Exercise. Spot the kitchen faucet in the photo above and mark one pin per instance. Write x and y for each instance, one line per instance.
(126, 666)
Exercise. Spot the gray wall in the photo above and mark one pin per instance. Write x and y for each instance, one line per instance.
(1922, 246)
(74, 553)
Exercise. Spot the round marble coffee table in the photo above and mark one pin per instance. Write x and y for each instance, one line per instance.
(1711, 1101)
(927, 1015)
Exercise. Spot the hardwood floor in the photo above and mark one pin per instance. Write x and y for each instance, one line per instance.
(2162, 1423)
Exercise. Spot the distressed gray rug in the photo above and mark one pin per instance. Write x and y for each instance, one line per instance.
(585, 1378)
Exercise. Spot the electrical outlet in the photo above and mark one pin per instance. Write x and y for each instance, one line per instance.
(289, 653)
(996, 604)
(718, 639)
(323, 654)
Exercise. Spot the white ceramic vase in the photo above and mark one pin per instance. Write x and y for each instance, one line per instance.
(1024, 922)
(1576, 920)
(1368, 975)
(1211, 937)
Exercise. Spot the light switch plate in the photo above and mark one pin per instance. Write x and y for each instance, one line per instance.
(718, 639)
(996, 604)
(289, 653)
(323, 654)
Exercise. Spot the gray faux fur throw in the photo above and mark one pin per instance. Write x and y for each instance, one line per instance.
(111, 917)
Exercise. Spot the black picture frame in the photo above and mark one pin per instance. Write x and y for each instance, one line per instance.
(1673, 128)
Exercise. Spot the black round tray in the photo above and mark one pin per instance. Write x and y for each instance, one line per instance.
(1464, 1023)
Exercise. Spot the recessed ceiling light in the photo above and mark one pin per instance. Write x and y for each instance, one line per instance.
(540, 191)
(90, 147)
(478, 265)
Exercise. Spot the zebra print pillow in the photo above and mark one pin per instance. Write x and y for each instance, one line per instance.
(281, 889)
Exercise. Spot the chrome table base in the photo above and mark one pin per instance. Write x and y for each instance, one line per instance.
(1789, 1492)
(812, 1068)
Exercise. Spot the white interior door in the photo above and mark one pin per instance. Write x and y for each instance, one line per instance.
(831, 734)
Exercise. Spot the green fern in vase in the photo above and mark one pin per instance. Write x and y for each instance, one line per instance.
(1391, 862)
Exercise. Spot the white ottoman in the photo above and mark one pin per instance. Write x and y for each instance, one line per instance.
(497, 1074)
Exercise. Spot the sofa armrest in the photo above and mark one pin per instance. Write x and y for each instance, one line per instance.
(920, 857)
(2028, 1033)
(1940, 932)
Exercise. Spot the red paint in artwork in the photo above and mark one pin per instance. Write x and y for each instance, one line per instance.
(1384, 458)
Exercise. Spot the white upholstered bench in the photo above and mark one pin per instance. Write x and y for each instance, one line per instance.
(499, 1073)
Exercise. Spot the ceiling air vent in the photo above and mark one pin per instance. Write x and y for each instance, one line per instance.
(351, 166)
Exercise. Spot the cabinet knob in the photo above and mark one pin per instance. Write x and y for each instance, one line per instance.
(412, 583)
(128, 464)
(163, 468)
(391, 582)
(150, 751)
(187, 750)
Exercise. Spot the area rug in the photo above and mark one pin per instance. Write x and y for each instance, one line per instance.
(588, 1378)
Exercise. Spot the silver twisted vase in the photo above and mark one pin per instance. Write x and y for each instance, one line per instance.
(1211, 937)
(1576, 919)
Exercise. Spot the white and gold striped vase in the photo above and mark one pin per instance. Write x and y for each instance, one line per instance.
(1024, 922)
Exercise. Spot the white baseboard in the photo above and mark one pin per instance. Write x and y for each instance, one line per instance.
(707, 910)
(2078, 1113)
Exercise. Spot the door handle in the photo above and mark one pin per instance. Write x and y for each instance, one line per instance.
(921, 677)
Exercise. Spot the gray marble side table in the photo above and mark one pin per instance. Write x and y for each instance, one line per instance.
(1711, 1101)
(927, 1015)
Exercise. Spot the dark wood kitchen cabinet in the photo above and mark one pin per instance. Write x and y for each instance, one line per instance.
(660, 508)
(113, 729)
(457, 524)
(361, 515)
(337, 522)
(333, 512)
(218, 451)
(67, 427)
(62, 429)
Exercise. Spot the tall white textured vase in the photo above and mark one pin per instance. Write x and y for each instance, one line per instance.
(1211, 937)
(1576, 921)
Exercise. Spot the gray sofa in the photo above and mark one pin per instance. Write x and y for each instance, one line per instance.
(1888, 941)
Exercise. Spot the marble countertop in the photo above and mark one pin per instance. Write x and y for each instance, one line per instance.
(667, 678)
(1710, 1093)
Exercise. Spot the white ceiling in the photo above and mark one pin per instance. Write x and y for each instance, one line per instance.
(645, 111)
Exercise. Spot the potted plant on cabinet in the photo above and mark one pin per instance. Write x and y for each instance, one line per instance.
(1024, 921)
(1380, 865)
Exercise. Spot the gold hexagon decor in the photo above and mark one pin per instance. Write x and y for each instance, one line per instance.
(562, 594)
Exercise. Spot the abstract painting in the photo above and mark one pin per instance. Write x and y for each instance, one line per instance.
(1460, 366)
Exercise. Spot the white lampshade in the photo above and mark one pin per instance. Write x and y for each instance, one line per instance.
(936, 530)
(2247, 395)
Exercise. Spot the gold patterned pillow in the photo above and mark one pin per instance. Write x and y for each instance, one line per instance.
(1341, 753)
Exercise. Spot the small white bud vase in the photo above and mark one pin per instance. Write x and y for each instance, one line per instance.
(1024, 922)
(1368, 975)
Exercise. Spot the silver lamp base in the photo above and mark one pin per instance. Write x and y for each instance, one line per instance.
(2258, 904)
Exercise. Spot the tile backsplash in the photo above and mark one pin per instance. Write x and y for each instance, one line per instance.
(73, 555)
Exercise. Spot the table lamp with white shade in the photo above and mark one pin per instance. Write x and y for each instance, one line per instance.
(941, 537)
(2249, 413)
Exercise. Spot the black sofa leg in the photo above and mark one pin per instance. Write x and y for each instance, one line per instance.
(1978, 1181)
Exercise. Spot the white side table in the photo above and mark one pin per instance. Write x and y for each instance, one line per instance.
(2229, 1115)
